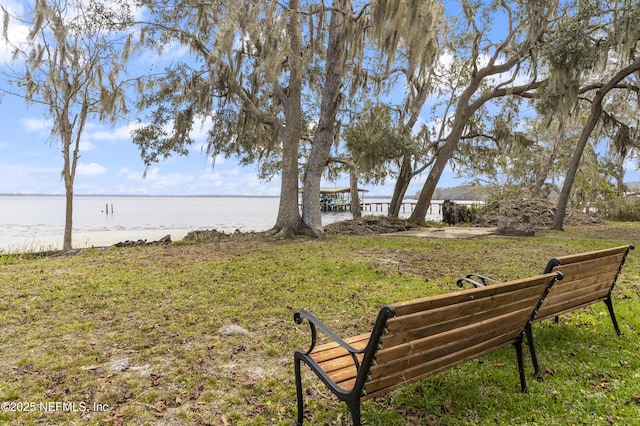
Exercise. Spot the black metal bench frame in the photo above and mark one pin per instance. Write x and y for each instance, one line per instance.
(452, 329)
(575, 267)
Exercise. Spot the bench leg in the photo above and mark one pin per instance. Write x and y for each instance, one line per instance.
(609, 304)
(298, 373)
(354, 407)
(532, 350)
(523, 380)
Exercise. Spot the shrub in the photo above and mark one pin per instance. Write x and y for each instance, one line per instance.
(622, 209)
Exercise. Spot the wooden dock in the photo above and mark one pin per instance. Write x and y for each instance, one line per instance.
(383, 207)
(337, 200)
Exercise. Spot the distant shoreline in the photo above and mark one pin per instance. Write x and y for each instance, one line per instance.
(141, 196)
(170, 196)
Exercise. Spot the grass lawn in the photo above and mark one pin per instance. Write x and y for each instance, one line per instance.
(131, 335)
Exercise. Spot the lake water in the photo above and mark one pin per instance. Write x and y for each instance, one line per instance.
(32, 223)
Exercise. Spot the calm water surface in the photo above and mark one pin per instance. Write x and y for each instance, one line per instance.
(33, 223)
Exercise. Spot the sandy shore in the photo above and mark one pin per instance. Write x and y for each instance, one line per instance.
(99, 238)
(109, 238)
(89, 239)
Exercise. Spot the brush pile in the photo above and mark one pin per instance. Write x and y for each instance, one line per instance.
(537, 213)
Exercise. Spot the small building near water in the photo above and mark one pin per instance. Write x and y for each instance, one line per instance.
(337, 198)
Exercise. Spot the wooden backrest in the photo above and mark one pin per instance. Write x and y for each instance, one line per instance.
(588, 278)
(432, 334)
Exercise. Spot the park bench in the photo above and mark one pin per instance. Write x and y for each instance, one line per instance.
(588, 278)
(418, 338)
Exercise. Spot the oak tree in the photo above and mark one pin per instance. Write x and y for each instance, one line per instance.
(253, 67)
(593, 54)
(495, 67)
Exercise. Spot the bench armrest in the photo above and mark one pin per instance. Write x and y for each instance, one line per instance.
(314, 323)
(483, 280)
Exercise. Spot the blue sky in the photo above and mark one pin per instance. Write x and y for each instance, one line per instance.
(31, 161)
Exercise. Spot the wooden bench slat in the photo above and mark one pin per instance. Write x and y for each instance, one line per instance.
(607, 266)
(434, 302)
(563, 309)
(581, 257)
(478, 304)
(437, 365)
(571, 305)
(595, 291)
(422, 337)
(348, 384)
(351, 340)
(338, 363)
(588, 278)
(578, 284)
(332, 350)
(420, 354)
(420, 331)
(344, 375)
(604, 258)
(513, 321)
(431, 327)
(575, 294)
(595, 285)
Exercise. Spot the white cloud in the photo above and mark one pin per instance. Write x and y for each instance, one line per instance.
(242, 181)
(154, 60)
(86, 146)
(201, 128)
(219, 160)
(91, 169)
(445, 60)
(156, 179)
(116, 134)
(129, 174)
(37, 125)
(206, 181)
(16, 32)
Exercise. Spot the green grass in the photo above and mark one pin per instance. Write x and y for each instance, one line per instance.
(134, 331)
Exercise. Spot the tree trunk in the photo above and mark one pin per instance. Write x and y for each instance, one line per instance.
(68, 174)
(323, 138)
(68, 217)
(289, 221)
(594, 116)
(406, 170)
(356, 209)
(620, 175)
(563, 200)
(464, 112)
(400, 188)
(71, 158)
